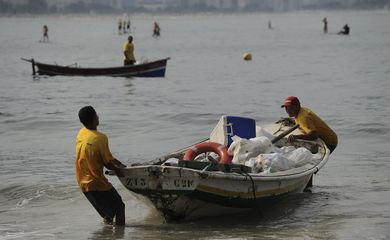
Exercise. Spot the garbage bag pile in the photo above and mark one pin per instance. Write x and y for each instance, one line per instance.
(262, 156)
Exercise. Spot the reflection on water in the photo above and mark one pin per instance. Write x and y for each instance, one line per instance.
(281, 218)
(130, 86)
(108, 232)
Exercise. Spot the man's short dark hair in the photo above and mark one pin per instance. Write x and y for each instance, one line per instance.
(87, 115)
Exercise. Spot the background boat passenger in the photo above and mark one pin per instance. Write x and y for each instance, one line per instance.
(128, 51)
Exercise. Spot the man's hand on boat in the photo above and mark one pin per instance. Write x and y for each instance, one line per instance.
(286, 121)
(117, 166)
(291, 138)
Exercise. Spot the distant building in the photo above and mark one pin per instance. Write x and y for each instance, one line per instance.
(17, 2)
(151, 5)
(189, 5)
(62, 3)
(119, 4)
(115, 4)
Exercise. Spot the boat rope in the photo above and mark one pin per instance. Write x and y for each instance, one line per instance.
(245, 174)
(253, 186)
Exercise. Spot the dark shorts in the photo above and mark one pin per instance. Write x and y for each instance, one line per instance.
(128, 62)
(106, 203)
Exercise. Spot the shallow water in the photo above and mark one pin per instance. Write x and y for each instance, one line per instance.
(344, 79)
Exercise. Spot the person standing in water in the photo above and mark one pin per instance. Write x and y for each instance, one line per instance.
(325, 21)
(120, 26)
(156, 30)
(128, 25)
(270, 24)
(45, 32)
(124, 27)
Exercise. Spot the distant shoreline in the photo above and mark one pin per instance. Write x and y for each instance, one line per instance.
(166, 14)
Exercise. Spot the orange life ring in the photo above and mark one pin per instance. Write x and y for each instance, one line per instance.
(200, 148)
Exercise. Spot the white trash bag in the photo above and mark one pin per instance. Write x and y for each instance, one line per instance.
(273, 162)
(283, 159)
(243, 149)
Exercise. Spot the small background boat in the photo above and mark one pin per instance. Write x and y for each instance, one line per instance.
(188, 190)
(147, 69)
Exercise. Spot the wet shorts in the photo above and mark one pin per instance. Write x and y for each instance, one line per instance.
(106, 203)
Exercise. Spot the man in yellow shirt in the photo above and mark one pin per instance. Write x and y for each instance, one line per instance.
(92, 155)
(309, 123)
(128, 51)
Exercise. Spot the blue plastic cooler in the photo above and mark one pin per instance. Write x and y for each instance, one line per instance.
(229, 126)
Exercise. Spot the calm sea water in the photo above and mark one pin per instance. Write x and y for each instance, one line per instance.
(344, 79)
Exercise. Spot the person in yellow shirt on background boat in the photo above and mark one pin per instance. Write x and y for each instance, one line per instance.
(92, 155)
(310, 124)
(128, 51)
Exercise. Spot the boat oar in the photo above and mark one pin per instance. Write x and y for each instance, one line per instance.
(283, 134)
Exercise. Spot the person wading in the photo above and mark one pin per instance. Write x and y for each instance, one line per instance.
(92, 155)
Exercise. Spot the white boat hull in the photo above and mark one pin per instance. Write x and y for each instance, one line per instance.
(183, 193)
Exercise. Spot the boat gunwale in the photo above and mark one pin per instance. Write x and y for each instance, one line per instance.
(104, 68)
(125, 74)
(280, 175)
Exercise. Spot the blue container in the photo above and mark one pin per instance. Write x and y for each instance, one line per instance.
(229, 126)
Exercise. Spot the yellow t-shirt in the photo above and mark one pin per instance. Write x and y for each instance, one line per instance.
(128, 48)
(308, 121)
(92, 152)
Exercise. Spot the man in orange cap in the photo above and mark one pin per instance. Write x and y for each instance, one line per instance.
(309, 123)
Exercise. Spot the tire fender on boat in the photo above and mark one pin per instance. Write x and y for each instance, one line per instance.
(204, 147)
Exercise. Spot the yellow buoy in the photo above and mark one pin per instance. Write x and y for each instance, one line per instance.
(247, 56)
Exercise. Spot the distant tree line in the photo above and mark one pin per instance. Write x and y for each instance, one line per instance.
(41, 7)
(32, 6)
